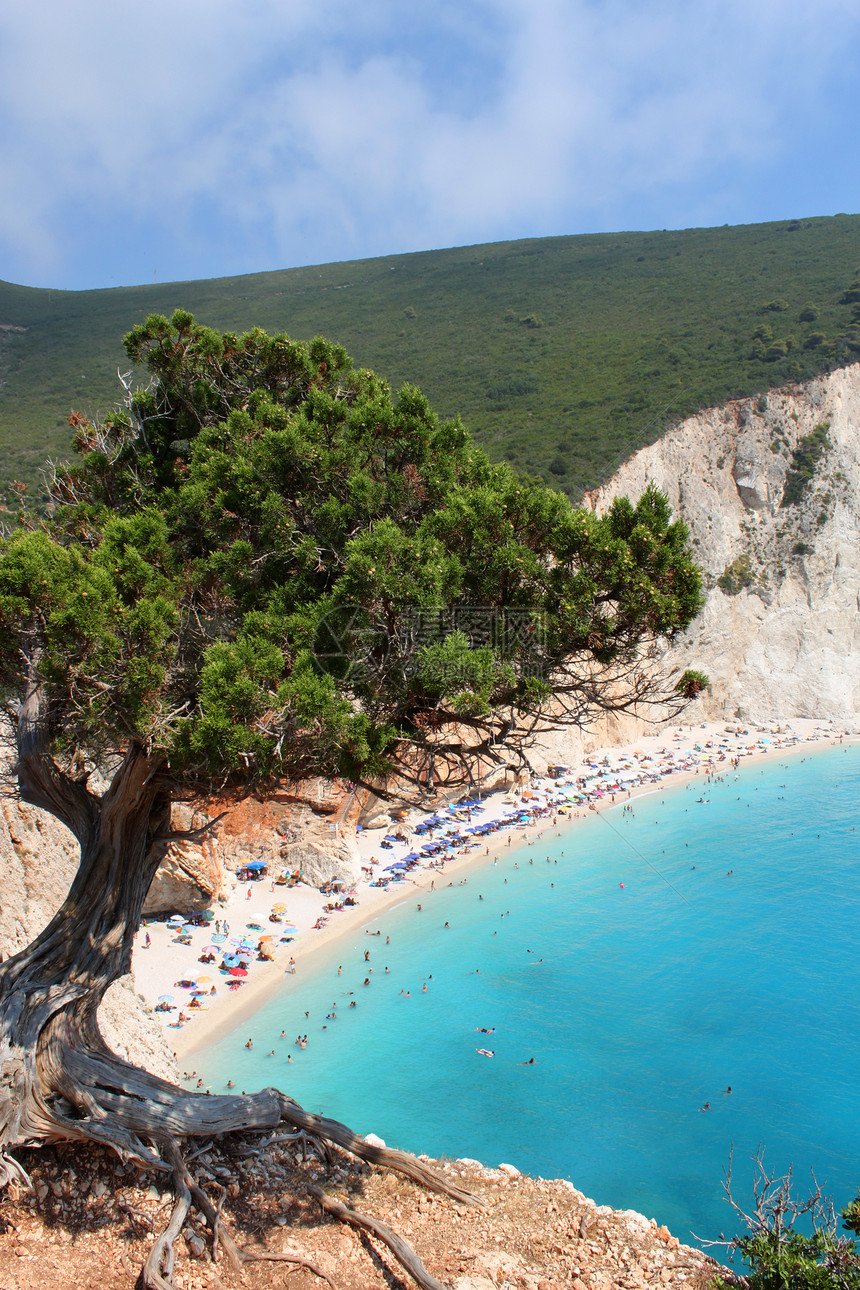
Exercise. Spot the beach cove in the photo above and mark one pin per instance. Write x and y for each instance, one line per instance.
(691, 752)
(642, 1003)
(442, 1051)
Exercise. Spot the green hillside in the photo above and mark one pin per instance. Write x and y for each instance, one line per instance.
(562, 354)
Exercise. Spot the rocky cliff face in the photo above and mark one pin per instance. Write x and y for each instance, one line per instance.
(780, 632)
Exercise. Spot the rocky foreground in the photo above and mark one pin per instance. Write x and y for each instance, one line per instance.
(91, 1221)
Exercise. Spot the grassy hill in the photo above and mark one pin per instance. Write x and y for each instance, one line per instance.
(562, 354)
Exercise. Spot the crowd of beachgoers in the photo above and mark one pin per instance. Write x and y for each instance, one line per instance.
(202, 972)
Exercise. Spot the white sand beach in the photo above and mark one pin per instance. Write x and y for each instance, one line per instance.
(605, 777)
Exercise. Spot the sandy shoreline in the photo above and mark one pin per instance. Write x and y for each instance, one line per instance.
(158, 968)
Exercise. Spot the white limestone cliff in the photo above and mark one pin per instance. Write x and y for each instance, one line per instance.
(788, 644)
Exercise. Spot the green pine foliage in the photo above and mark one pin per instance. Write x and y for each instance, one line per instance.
(563, 355)
(266, 564)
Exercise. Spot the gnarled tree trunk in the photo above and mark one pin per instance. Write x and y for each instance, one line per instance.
(58, 1079)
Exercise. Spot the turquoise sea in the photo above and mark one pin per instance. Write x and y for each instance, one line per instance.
(728, 958)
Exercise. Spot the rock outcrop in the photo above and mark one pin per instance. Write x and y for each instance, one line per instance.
(770, 490)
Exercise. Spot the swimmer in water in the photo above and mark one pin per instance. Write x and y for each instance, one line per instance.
(485, 1052)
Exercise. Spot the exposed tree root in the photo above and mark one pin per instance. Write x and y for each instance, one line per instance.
(405, 1255)
(310, 1130)
(158, 1269)
(297, 1259)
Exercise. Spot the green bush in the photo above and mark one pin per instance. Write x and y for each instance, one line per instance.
(804, 460)
(809, 312)
(813, 340)
(775, 306)
(777, 1255)
(736, 576)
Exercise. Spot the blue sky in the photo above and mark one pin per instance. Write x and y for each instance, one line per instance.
(199, 138)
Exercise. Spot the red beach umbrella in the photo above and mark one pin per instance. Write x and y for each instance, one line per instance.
(238, 971)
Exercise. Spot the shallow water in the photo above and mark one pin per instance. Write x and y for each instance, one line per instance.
(639, 1003)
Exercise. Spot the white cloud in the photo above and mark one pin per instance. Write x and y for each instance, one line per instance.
(262, 134)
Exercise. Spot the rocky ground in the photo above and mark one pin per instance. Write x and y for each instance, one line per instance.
(91, 1221)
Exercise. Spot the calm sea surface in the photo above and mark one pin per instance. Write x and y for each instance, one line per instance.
(640, 1003)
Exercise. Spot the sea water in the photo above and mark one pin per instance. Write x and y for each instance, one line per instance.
(648, 962)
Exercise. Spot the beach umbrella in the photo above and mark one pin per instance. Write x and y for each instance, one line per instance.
(165, 998)
(204, 980)
(210, 949)
(219, 938)
(256, 865)
(238, 971)
(279, 909)
(230, 960)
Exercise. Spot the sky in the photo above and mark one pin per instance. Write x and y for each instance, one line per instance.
(188, 139)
